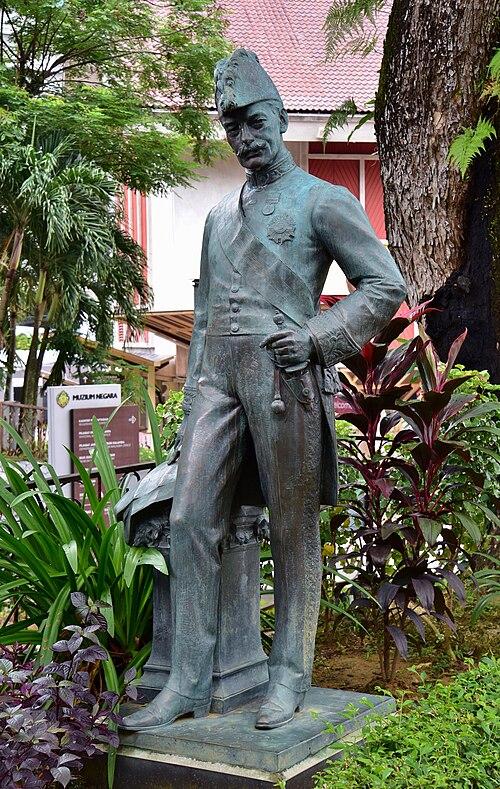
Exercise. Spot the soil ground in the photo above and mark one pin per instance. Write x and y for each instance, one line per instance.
(349, 662)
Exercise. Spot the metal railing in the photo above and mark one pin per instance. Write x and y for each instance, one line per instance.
(15, 414)
(136, 470)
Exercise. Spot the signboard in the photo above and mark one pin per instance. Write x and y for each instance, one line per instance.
(340, 406)
(121, 433)
(61, 402)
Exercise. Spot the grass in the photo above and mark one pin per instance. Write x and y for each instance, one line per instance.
(448, 738)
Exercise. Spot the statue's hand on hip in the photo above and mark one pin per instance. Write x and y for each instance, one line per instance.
(290, 347)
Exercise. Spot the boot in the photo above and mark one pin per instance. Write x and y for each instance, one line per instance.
(279, 707)
(164, 709)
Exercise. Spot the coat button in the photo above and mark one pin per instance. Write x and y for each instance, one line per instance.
(234, 328)
(279, 320)
(235, 307)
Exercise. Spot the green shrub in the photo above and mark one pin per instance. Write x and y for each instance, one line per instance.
(169, 416)
(447, 739)
(51, 547)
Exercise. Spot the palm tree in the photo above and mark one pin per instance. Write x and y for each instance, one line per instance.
(67, 261)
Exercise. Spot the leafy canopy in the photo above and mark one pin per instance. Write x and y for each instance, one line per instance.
(129, 80)
(70, 264)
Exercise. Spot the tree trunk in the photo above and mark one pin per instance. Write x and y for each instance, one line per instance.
(15, 257)
(436, 55)
(30, 385)
(11, 353)
(470, 298)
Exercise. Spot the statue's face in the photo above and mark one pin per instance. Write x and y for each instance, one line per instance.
(255, 134)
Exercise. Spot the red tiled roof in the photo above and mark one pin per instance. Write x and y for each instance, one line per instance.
(287, 36)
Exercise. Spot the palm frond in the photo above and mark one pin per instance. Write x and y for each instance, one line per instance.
(346, 29)
(470, 143)
(339, 118)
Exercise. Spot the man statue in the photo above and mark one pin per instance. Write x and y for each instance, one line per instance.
(259, 424)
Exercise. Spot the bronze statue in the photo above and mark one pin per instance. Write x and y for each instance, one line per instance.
(259, 425)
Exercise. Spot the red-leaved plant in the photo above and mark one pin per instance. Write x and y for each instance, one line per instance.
(415, 510)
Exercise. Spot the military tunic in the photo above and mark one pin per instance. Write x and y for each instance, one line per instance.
(266, 254)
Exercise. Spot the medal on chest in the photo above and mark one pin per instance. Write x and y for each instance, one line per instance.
(281, 227)
(270, 203)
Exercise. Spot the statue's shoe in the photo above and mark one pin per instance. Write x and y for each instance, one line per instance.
(164, 709)
(279, 707)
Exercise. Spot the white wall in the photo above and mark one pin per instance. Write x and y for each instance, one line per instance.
(176, 228)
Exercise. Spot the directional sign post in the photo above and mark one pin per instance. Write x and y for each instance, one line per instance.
(121, 433)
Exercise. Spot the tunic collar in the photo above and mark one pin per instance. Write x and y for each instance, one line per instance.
(258, 179)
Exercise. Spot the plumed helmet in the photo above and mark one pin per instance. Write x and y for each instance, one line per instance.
(240, 80)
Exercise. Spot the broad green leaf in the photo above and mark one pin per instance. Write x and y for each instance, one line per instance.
(138, 660)
(71, 551)
(54, 478)
(73, 514)
(479, 410)
(362, 589)
(489, 513)
(103, 560)
(52, 626)
(153, 426)
(100, 511)
(112, 682)
(483, 429)
(138, 556)
(108, 613)
(431, 529)
(469, 525)
(368, 116)
(104, 465)
(24, 632)
(87, 482)
(484, 603)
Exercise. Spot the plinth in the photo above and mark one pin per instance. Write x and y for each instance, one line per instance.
(240, 664)
(226, 751)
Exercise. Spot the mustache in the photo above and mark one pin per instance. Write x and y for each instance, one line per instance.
(254, 147)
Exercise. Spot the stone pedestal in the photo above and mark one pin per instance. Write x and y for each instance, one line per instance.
(228, 752)
(240, 664)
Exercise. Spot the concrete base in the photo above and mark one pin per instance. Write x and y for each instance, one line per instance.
(227, 751)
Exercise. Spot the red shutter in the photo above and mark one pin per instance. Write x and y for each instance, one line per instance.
(136, 224)
(374, 197)
(343, 172)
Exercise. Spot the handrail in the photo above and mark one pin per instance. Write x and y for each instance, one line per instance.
(14, 403)
(121, 471)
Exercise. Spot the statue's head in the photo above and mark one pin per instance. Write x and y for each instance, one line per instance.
(250, 109)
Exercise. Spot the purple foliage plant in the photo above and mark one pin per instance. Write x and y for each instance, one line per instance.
(50, 720)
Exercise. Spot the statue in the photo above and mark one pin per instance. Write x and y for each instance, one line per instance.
(259, 415)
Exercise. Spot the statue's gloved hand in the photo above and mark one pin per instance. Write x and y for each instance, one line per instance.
(290, 347)
(177, 445)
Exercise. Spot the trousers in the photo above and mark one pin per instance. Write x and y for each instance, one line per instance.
(233, 406)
